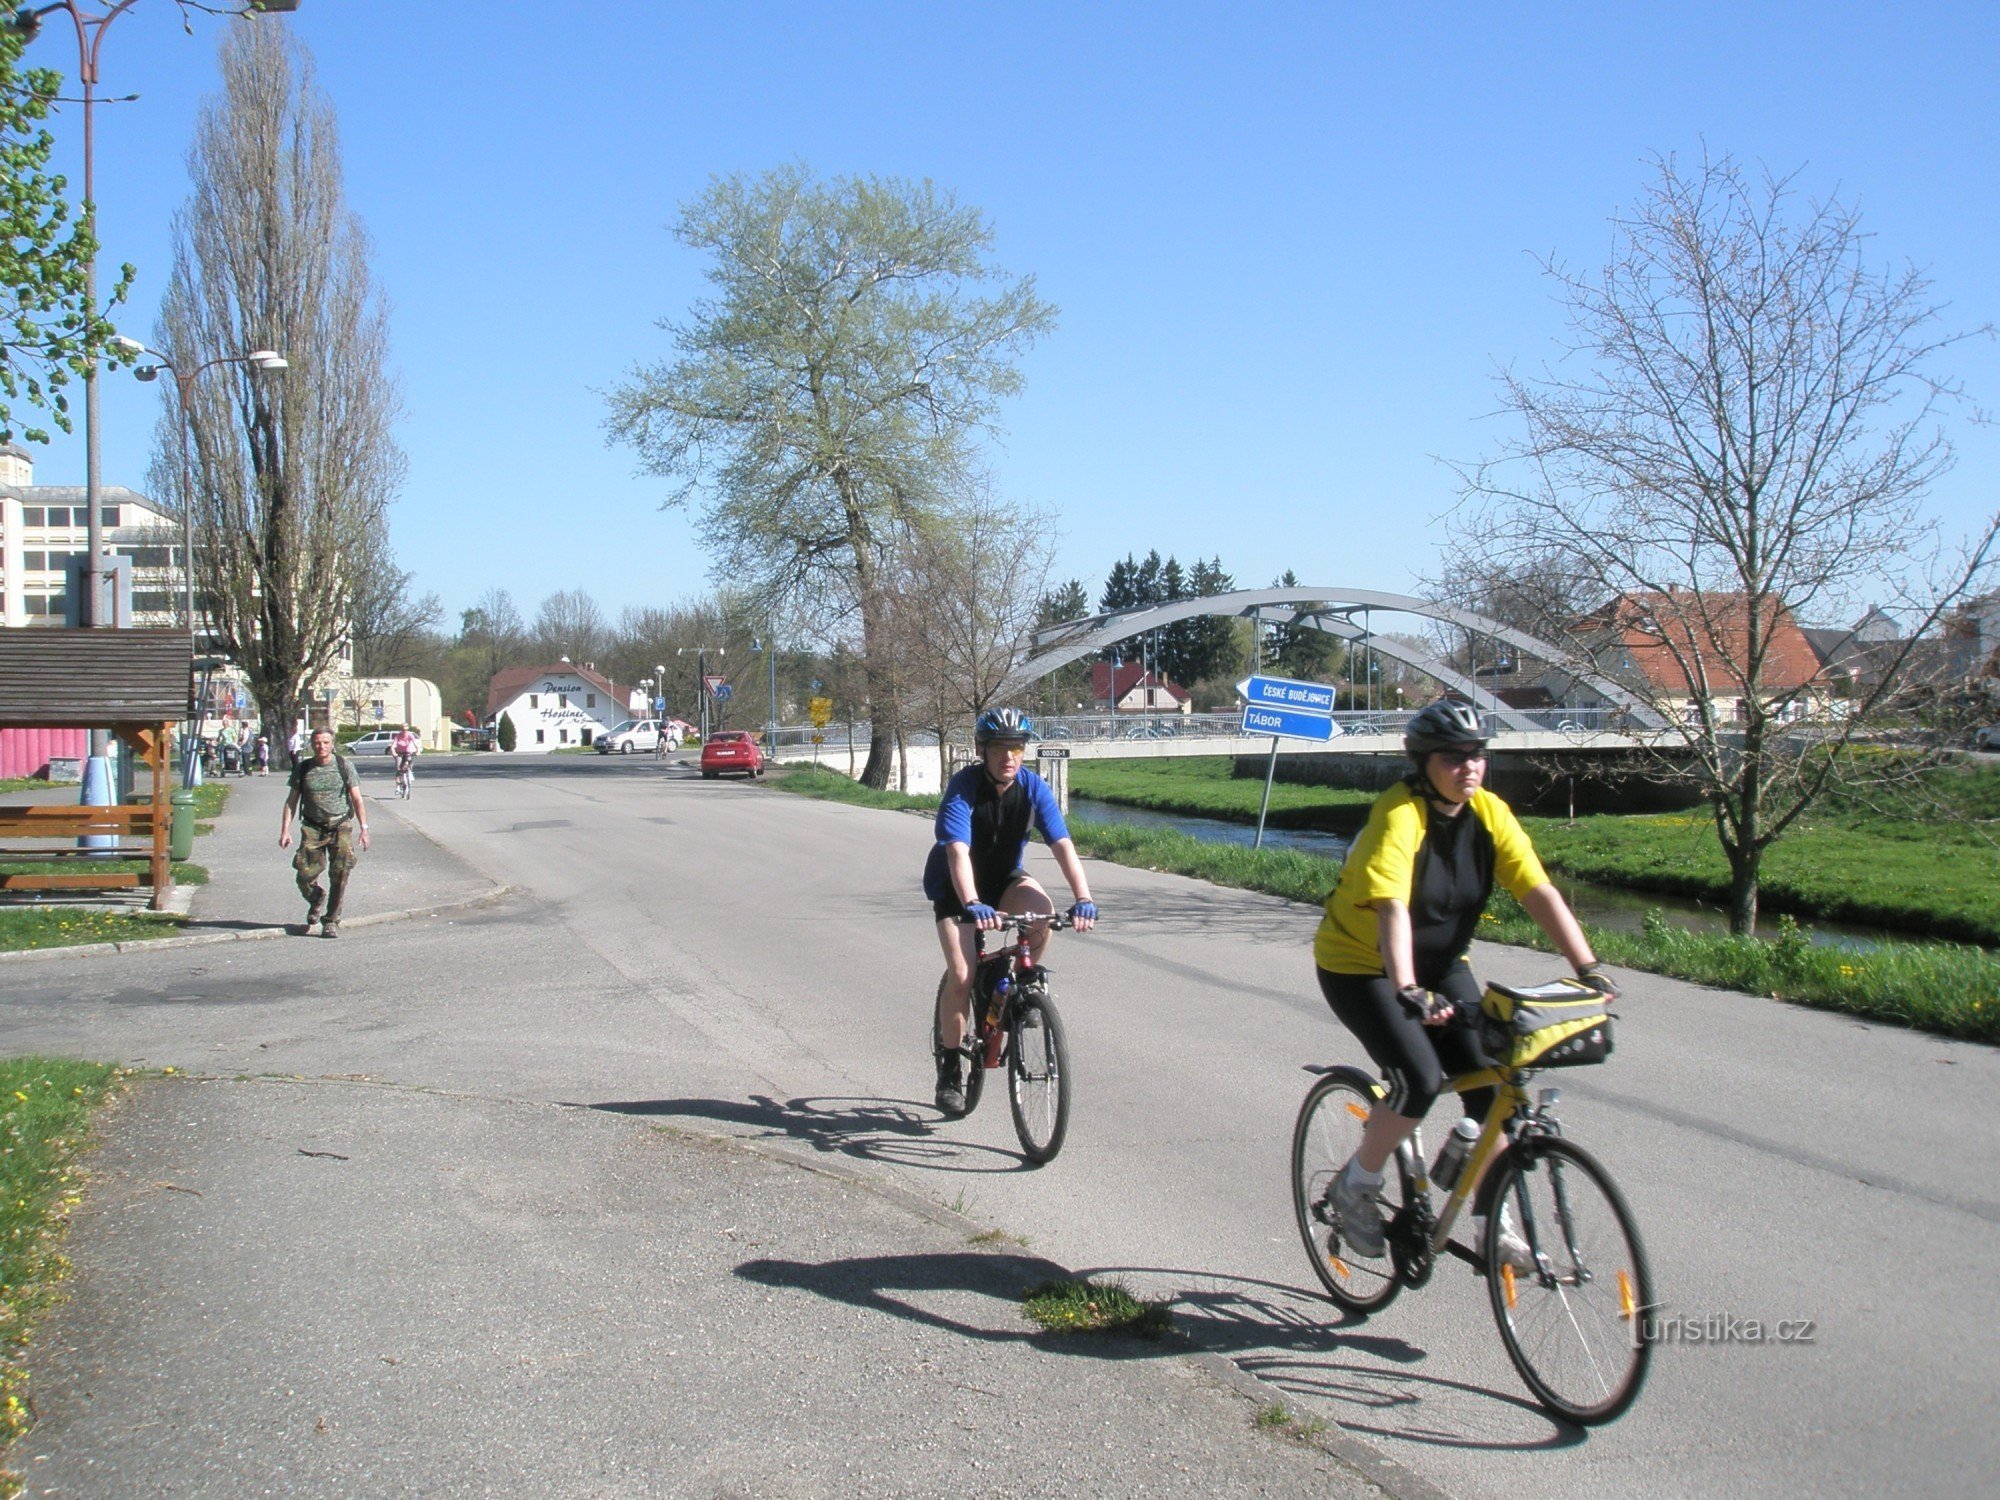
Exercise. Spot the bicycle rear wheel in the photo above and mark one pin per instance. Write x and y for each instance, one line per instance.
(1576, 1327)
(1328, 1130)
(1038, 1077)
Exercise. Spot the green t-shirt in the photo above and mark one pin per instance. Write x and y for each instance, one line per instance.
(322, 789)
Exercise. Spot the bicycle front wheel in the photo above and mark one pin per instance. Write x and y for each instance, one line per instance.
(1574, 1325)
(1038, 1077)
(1327, 1132)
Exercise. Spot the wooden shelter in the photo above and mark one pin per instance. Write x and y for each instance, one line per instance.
(136, 683)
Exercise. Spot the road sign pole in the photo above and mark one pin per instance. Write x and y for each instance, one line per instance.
(1270, 771)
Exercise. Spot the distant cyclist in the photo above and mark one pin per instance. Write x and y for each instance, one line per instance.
(1391, 949)
(405, 747)
(976, 870)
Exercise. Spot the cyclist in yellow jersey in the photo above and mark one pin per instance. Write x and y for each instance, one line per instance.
(1391, 949)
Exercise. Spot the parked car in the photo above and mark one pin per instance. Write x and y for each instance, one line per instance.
(731, 750)
(374, 742)
(632, 734)
(1987, 738)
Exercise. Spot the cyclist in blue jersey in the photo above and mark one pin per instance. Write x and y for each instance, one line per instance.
(976, 870)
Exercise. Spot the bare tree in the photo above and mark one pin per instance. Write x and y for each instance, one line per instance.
(830, 392)
(1748, 418)
(569, 624)
(292, 475)
(392, 629)
(966, 587)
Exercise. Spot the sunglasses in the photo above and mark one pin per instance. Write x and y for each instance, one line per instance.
(1460, 757)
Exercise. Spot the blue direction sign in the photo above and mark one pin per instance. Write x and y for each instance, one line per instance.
(1293, 723)
(1283, 692)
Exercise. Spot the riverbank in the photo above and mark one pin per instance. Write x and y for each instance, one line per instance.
(1937, 987)
(1926, 870)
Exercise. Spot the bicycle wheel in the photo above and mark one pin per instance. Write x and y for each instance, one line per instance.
(1038, 1077)
(1576, 1327)
(1328, 1130)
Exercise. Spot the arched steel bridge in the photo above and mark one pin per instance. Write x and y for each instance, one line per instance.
(1346, 614)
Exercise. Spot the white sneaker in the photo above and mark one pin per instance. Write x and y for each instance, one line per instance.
(1357, 1215)
(1512, 1248)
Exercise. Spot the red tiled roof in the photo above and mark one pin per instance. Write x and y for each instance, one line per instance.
(1131, 674)
(1710, 633)
(510, 682)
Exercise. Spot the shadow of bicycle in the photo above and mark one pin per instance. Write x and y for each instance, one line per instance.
(896, 1131)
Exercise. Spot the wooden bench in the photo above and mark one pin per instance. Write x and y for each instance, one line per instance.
(140, 831)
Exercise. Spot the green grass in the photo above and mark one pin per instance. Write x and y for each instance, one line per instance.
(1276, 1418)
(1201, 786)
(1095, 1307)
(832, 786)
(26, 927)
(45, 1113)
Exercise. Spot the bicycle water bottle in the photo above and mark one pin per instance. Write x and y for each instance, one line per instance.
(1457, 1147)
(995, 1006)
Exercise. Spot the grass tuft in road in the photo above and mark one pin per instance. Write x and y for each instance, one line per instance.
(1276, 1418)
(1096, 1307)
(46, 1106)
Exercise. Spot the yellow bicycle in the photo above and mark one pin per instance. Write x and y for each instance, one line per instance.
(1560, 1253)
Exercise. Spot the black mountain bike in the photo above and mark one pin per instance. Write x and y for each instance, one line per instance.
(1015, 1025)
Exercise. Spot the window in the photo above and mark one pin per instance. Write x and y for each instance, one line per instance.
(562, 736)
(541, 736)
(377, 705)
(590, 700)
(154, 603)
(107, 515)
(148, 557)
(535, 701)
(58, 516)
(562, 700)
(34, 515)
(35, 562)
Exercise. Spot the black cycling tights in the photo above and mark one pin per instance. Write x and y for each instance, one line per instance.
(1417, 1058)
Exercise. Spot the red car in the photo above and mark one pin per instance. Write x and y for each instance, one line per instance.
(731, 750)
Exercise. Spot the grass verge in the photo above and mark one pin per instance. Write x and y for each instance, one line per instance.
(26, 927)
(1201, 786)
(1937, 987)
(1095, 1307)
(831, 786)
(46, 1107)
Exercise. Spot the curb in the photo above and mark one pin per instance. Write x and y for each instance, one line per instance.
(258, 934)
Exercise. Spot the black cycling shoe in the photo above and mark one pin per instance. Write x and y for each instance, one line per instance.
(951, 1083)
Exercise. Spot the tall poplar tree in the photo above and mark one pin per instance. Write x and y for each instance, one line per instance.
(292, 473)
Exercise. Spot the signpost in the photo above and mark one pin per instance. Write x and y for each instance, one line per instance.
(1283, 708)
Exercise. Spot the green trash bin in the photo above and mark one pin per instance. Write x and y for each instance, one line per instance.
(180, 838)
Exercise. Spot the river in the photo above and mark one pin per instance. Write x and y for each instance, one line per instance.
(1609, 907)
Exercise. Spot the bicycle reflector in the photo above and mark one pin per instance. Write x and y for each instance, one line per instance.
(1628, 1305)
(1507, 1283)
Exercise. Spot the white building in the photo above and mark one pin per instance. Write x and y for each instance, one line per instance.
(42, 525)
(556, 707)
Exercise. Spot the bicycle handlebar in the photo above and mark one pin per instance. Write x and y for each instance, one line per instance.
(1020, 921)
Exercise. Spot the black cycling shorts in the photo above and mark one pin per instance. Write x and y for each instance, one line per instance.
(1416, 1058)
(949, 906)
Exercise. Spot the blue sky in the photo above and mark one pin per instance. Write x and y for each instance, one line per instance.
(1291, 243)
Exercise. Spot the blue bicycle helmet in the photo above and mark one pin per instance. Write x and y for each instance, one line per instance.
(1004, 726)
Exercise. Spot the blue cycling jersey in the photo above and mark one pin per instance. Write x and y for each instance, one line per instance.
(993, 826)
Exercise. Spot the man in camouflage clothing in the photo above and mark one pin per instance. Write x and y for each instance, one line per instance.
(326, 796)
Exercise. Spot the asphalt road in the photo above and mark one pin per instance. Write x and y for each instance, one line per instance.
(733, 959)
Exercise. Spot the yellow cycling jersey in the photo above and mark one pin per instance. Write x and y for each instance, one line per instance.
(1383, 865)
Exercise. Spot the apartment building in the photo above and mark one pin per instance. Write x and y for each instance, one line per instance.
(43, 525)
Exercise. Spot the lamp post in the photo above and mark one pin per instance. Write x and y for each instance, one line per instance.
(184, 379)
(26, 22)
(770, 650)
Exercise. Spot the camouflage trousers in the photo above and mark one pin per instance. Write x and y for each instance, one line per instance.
(330, 850)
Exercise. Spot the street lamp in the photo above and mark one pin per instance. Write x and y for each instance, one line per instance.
(26, 23)
(770, 660)
(184, 379)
